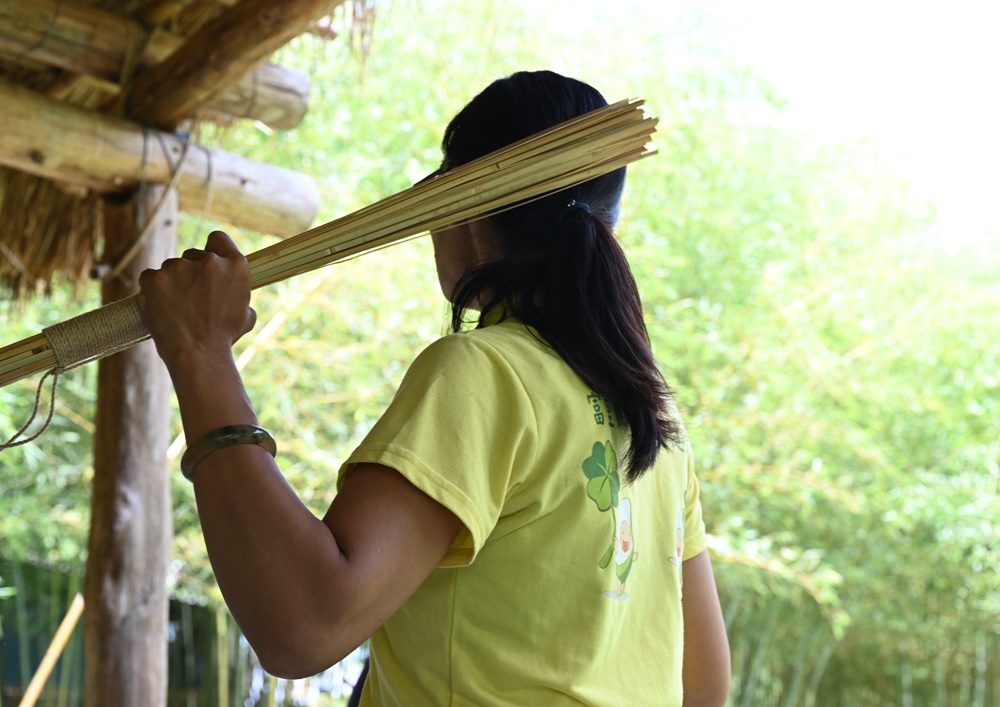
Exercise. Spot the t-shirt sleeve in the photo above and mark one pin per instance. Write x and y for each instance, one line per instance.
(694, 525)
(460, 429)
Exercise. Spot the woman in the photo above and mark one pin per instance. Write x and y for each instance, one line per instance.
(514, 528)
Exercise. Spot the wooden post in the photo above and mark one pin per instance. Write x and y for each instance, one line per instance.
(131, 524)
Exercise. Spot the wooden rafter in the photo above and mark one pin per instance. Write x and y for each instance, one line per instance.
(107, 154)
(66, 35)
(89, 42)
(221, 51)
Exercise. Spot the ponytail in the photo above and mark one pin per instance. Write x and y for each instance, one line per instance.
(581, 298)
(561, 270)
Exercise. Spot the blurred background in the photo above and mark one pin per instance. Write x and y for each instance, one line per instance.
(816, 243)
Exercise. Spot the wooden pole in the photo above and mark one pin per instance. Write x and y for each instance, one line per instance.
(274, 95)
(131, 527)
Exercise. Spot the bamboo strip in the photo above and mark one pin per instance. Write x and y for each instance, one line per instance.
(26, 345)
(28, 351)
(462, 207)
(570, 153)
(488, 166)
(312, 259)
(38, 357)
(44, 363)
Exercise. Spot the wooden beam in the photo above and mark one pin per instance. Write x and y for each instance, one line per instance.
(222, 50)
(66, 35)
(276, 96)
(88, 41)
(71, 145)
(131, 528)
(157, 12)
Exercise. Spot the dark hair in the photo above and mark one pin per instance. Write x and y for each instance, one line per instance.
(562, 271)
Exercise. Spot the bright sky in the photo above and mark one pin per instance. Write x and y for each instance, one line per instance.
(920, 78)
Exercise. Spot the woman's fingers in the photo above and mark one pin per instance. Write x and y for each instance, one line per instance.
(220, 243)
(201, 296)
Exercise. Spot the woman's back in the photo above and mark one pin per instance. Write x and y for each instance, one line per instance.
(564, 586)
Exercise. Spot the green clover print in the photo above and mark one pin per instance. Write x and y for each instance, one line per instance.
(602, 470)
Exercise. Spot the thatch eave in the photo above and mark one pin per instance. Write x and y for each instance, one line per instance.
(153, 63)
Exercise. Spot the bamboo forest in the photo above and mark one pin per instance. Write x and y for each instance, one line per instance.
(834, 349)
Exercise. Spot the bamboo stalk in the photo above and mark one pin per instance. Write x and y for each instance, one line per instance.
(52, 654)
(567, 154)
(69, 657)
(478, 175)
(222, 657)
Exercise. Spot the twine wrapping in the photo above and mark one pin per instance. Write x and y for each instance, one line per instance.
(74, 342)
(96, 334)
(564, 155)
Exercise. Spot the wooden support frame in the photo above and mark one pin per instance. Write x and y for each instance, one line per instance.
(131, 528)
(134, 62)
(92, 45)
(221, 51)
(111, 155)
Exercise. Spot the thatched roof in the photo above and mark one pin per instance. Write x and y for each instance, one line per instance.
(92, 93)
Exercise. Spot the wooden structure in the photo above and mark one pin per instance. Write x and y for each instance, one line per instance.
(98, 99)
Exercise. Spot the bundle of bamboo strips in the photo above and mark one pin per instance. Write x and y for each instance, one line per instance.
(567, 154)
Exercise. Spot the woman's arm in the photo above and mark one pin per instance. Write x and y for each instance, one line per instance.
(304, 591)
(706, 647)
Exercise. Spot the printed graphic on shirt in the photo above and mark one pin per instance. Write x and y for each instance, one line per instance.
(604, 412)
(679, 535)
(622, 548)
(601, 470)
(603, 487)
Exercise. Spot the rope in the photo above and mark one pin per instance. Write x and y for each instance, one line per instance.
(12, 442)
(154, 215)
(74, 342)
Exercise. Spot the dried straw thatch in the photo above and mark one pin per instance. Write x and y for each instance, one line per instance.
(47, 233)
(48, 230)
(51, 228)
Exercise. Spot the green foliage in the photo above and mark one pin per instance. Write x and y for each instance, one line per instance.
(836, 362)
(835, 366)
(44, 485)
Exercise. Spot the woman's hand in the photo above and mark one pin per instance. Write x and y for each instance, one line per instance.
(200, 301)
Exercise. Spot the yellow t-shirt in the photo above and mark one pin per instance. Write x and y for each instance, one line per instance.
(564, 586)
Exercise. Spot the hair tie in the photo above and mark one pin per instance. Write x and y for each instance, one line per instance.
(573, 205)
